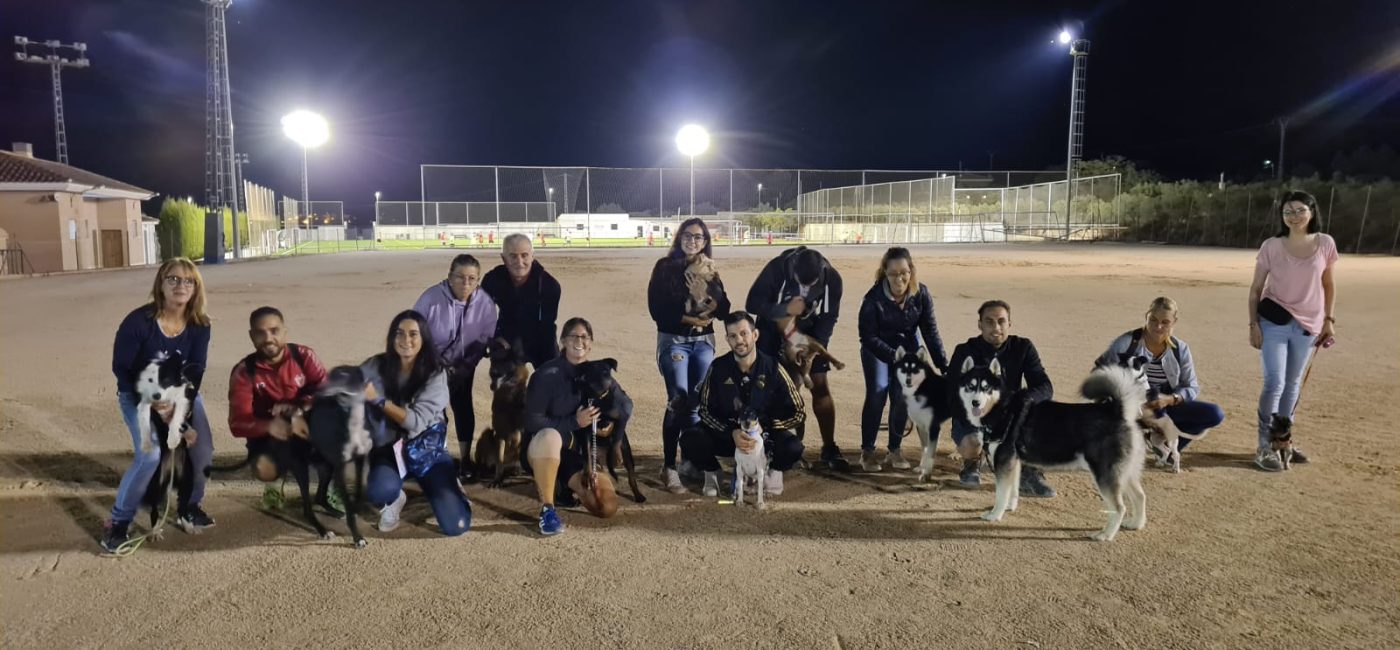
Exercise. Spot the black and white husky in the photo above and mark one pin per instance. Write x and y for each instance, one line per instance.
(926, 399)
(1101, 436)
(166, 379)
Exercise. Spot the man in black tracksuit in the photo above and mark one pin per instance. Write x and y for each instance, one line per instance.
(528, 299)
(801, 282)
(743, 379)
(1019, 362)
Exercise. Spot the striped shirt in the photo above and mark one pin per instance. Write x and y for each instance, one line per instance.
(1156, 376)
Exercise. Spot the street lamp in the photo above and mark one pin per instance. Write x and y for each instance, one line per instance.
(308, 130)
(760, 194)
(692, 140)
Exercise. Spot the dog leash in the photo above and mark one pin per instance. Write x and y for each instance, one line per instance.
(1307, 372)
(593, 452)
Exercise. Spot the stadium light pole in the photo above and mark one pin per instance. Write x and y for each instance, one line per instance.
(692, 140)
(760, 194)
(308, 130)
(1079, 51)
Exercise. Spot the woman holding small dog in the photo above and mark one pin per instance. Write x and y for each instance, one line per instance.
(406, 388)
(1171, 371)
(1290, 312)
(173, 322)
(558, 423)
(685, 333)
(896, 310)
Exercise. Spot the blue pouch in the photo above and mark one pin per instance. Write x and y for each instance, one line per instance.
(426, 449)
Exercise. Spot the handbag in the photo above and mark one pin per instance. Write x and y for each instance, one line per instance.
(426, 449)
(1274, 312)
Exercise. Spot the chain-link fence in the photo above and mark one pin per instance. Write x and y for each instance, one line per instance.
(1361, 217)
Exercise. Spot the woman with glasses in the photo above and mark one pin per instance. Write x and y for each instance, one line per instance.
(461, 318)
(892, 314)
(685, 335)
(558, 426)
(1290, 312)
(174, 322)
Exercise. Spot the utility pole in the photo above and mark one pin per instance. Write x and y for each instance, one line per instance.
(56, 63)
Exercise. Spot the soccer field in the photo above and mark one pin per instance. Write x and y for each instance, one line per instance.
(1231, 556)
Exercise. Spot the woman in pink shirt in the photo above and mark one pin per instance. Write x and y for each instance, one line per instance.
(1290, 311)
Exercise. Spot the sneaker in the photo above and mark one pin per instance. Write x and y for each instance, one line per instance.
(550, 524)
(333, 503)
(193, 519)
(969, 477)
(389, 516)
(773, 483)
(115, 536)
(831, 457)
(672, 480)
(1299, 458)
(690, 472)
(1033, 484)
(273, 498)
(711, 484)
(869, 462)
(1268, 460)
(896, 460)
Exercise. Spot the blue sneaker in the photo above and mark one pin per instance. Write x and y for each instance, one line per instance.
(550, 523)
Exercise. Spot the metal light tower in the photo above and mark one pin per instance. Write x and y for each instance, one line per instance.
(56, 64)
(220, 174)
(1079, 50)
(692, 140)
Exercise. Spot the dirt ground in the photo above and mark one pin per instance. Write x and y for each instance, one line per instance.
(1232, 557)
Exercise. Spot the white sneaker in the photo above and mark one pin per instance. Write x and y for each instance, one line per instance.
(690, 471)
(711, 484)
(896, 460)
(389, 516)
(672, 480)
(868, 462)
(773, 483)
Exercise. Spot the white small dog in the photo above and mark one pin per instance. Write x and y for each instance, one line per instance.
(1164, 437)
(163, 380)
(751, 467)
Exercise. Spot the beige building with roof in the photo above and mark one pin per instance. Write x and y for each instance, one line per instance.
(56, 217)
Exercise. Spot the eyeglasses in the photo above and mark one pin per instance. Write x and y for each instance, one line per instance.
(1295, 212)
(458, 278)
(175, 281)
(693, 236)
(578, 337)
(898, 274)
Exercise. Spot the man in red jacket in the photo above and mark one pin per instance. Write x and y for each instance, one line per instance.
(276, 377)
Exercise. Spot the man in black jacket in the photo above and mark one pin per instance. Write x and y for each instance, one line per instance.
(1019, 362)
(800, 282)
(528, 299)
(743, 379)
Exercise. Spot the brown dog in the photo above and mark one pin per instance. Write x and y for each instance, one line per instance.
(499, 446)
(702, 283)
(801, 351)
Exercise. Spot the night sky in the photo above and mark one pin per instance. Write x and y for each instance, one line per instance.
(1188, 88)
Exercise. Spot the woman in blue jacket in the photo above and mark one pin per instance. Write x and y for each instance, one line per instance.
(892, 315)
(174, 322)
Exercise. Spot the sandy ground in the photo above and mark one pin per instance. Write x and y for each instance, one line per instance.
(1232, 557)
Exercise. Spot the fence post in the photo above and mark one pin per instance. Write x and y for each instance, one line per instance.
(1364, 211)
(1330, 196)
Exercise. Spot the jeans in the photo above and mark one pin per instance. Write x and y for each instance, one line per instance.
(459, 390)
(1194, 418)
(138, 476)
(439, 484)
(683, 366)
(1285, 354)
(878, 391)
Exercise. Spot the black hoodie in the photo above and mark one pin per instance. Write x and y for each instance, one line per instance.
(777, 284)
(527, 312)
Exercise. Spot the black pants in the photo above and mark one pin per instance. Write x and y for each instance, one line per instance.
(704, 446)
(459, 391)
